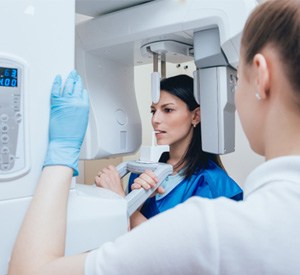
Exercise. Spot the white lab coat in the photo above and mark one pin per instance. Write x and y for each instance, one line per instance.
(260, 235)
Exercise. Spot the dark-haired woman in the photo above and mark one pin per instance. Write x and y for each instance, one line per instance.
(176, 122)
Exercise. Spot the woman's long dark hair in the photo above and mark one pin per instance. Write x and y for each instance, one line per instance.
(195, 159)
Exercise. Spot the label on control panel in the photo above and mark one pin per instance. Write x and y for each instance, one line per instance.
(12, 131)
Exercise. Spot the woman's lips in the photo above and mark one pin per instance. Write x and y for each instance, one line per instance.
(159, 133)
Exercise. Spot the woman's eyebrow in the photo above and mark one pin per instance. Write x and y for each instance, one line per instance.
(165, 104)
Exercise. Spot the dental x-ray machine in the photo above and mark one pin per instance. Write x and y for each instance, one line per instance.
(37, 42)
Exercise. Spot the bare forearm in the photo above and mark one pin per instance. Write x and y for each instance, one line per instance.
(40, 244)
(42, 235)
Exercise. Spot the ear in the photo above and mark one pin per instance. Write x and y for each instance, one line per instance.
(196, 116)
(262, 75)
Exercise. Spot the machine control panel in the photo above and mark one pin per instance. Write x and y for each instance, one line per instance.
(12, 135)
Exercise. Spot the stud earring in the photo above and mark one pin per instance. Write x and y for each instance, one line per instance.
(257, 95)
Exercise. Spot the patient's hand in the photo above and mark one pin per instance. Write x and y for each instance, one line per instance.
(147, 180)
(109, 178)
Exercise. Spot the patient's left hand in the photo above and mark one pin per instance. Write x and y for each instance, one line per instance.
(109, 178)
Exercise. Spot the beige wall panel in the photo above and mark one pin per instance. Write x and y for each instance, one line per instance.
(91, 167)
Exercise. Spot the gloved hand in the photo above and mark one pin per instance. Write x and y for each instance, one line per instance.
(68, 122)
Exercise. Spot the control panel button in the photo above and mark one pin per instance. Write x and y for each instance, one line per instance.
(4, 117)
(4, 149)
(4, 128)
(4, 138)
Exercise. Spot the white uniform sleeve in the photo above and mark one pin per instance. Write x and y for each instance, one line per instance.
(179, 241)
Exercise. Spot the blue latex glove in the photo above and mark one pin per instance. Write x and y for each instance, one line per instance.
(68, 122)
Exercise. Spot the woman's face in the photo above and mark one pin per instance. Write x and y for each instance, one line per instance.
(172, 120)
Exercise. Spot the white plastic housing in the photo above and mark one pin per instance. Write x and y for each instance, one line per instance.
(114, 124)
(39, 35)
(217, 86)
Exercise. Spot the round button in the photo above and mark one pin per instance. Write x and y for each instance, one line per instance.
(4, 128)
(18, 117)
(4, 149)
(5, 138)
(4, 117)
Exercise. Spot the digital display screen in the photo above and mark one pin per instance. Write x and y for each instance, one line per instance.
(8, 77)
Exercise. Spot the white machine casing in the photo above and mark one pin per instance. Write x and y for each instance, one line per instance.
(39, 36)
(114, 123)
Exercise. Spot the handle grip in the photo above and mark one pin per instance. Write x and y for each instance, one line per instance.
(138, 196)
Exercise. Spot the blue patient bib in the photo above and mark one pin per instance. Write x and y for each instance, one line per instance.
(211, 182)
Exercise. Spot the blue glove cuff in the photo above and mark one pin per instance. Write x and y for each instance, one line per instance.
(60, 153)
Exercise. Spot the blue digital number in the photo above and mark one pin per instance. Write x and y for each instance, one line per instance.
(7, 82)
(14, 73)
(14, 82)
(7, 72)
(8, 77)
